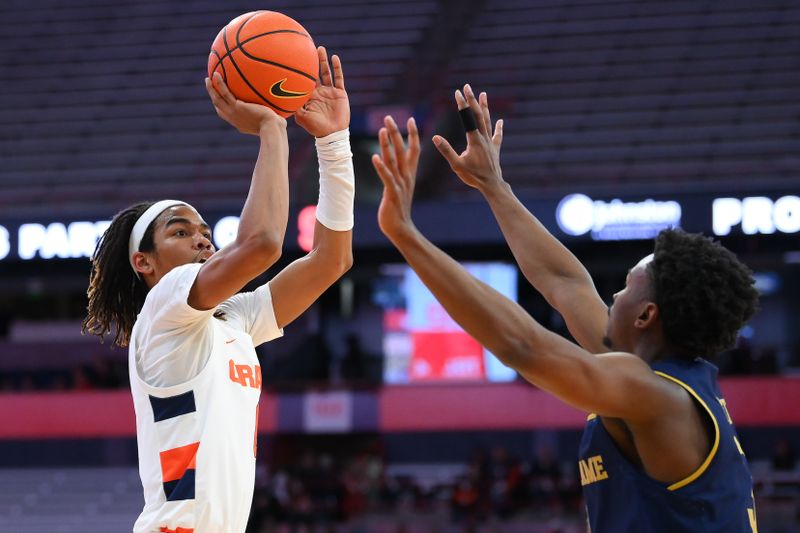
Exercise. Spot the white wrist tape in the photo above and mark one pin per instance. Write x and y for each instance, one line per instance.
(337, 183)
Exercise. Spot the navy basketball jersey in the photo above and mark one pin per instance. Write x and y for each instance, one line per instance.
(717, 497)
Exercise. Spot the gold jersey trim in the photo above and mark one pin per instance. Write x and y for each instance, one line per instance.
(702, 468)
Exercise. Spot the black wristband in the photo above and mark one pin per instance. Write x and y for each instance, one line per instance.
(468, 119)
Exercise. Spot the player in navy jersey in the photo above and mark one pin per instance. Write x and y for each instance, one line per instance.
(659, 453)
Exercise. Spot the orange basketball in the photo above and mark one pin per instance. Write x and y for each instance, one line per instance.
(266, 58)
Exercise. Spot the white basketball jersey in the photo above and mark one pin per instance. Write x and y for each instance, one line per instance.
(196, 440)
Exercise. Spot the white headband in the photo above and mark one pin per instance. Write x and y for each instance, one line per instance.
(143, 222)
(646, 260)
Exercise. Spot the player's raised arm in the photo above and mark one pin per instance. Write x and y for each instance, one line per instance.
(326, 116)
(264, 217)
(604, 385)
(552, 269)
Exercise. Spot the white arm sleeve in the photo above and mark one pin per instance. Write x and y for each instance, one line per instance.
(172, 339)
(337, 185)
(167, 302)
(253, 313)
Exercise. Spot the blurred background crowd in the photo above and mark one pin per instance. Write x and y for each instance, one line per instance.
(378, 414)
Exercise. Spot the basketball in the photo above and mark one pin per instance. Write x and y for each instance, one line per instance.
(266, 58)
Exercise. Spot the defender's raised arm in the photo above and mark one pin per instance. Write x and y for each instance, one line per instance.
(546, 263)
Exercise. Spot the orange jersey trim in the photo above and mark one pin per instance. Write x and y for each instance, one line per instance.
(175, 462)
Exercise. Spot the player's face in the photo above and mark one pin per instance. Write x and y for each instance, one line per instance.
(628, 305)
(181, 236)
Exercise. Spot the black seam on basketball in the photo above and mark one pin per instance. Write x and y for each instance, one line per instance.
(219, 59)
(240, 46)
(254, 37)
(225, 40)
(219, 64)
(241, 75)
(228, 51)
(281, 65)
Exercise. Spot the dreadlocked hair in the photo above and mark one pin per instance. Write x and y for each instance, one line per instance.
(704, 293)
(116, 294)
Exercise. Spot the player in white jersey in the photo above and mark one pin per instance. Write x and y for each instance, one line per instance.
(172, 298)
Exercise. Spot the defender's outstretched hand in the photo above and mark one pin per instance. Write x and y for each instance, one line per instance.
(328, 109)
(397, 167)
(246, 117)
(479, 165)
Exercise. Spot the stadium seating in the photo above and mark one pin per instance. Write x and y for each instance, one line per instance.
(104, 105)
(639, 93)
(108, 500)
(87, 500)
(104, 102)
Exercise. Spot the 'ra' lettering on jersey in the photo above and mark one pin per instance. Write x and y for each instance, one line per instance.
(245, 375)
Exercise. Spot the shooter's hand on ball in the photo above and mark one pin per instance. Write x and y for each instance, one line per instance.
(479, 165)
(328, 109)
(397, 167)
(246, 117)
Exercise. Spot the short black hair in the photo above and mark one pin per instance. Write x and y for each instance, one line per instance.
(704, 293)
